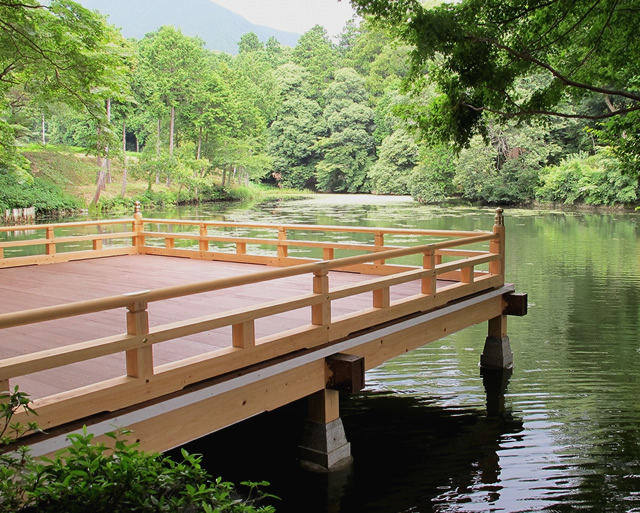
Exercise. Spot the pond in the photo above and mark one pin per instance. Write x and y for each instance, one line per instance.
(420, 433)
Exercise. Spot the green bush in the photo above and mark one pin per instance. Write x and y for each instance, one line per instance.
(43, 194)
(90, 476)
(593, 180)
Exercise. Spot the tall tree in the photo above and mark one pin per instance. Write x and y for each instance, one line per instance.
(57, 52)
(479, 51)
(318, 55)
(296, 129)
(349, 149)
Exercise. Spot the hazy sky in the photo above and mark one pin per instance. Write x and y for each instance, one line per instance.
(293, 15)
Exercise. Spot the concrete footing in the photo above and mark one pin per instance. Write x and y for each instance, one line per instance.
(497, 353)
(324, 447)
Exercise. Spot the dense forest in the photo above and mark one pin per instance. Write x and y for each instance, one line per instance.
(372, 112)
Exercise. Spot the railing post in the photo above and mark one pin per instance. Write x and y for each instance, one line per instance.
(327, 253)
(429, 283)
(4, 389)
(139, 361)
(321, 313)
(51, 245)
(379, 242)
(497, 245)
(283, 250)
(138, 227)
(382, 298)
(241, 248)
(97, 244)
(204, 244)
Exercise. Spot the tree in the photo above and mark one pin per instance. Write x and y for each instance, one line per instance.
(398, 157)
(317, 54)
(478, 51)
(349, 149)
(250, 43)
(58, 52)
(295, 130)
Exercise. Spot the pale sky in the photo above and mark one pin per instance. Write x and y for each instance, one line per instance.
(293, 15)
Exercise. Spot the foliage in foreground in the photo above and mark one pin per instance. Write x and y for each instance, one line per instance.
(89, 476)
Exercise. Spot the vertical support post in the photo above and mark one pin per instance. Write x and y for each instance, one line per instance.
(138, 228)
(244, 334)
(97, 244)
(283, 250)
(169, 242)
(1, 253)
(379, 242)
(204, 244)
(497, 245)
(321, 313)
(241, 248)
(51, 245)
(497, 352)
(139, 361)
(324, 446)
(466, 274)
(327, 253)
(429, 283)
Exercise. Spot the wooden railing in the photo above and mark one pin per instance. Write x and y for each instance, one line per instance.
(143, 380)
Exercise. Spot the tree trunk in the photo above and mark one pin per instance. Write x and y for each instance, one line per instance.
(107, 159)
(171, 127)
(199, 144)
(158, 150)
(224, 175)
(44, 140)
(124, 159)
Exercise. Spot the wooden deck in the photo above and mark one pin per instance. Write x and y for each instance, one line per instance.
(30, 287)
(217, 321)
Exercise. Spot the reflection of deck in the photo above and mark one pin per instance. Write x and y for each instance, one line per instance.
(117, 330)
(34, 286)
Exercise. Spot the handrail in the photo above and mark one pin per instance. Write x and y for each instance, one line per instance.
(48, 313)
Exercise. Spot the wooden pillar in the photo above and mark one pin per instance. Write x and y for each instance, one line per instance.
(379, 242)
(497, 245)
(244, 334)
(429, 283)
(497, 352)
(283, 250)
(204, 244)
(139, 361)
(321, 313)
(324, 446)
(4, 390)
(138, 227)
(51, 245)
(241, 248)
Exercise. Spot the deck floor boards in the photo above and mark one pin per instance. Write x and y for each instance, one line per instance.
(36, 286)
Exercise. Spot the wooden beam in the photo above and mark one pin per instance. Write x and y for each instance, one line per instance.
(517, 304)
(346, 372)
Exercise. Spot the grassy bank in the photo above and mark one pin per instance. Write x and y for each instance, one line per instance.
(64, 180)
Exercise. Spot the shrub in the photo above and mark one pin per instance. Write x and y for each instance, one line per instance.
(90, 476)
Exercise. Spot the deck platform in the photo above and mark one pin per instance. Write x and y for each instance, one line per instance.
(176, 328)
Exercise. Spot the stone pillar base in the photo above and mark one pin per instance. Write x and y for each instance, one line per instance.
(324, 447)
(497, 353)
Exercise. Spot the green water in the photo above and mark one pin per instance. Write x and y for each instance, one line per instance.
(569, 438)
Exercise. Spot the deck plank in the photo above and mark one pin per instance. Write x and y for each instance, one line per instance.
(36, 286)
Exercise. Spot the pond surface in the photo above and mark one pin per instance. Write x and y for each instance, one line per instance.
(420, 433)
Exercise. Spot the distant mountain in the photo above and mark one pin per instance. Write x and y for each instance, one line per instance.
(220, 28)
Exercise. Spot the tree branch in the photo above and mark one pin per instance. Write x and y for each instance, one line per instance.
(522, 113)
(567, 81)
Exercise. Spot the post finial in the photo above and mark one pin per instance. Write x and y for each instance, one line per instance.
(499, 219)
(137, 209)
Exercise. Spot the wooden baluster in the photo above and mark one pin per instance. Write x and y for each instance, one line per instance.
(429, 283)
(327, 253)
(382, 298)
(379, 242)
(169, 242)
(244, 334)
(321, 313)
(1, 253)
(497, 245)
(51, 245)
(139, 361)
(241, 248)
(283, 250)
(466, 274)
(204, 244)
(97, 244)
